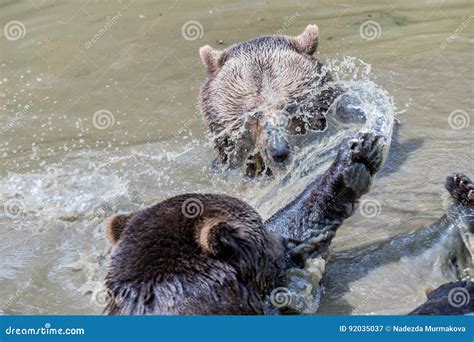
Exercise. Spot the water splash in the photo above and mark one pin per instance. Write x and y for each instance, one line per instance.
(79, 190)
(312, 160)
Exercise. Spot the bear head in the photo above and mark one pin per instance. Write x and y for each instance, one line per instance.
(252, 98)
(191, 254)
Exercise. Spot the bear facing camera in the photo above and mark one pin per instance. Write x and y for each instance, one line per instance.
(263, 95)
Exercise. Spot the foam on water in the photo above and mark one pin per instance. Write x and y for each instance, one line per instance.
(312, 160)
(82, 189)
(424, 258)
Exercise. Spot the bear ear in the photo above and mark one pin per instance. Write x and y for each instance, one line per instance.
(210, 58)
(116, 226)
(219, 238)
(307, 42)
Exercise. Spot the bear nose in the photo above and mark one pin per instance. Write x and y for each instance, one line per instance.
(280, 153)
(278, 146)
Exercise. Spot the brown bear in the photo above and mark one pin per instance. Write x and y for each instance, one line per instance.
(208, 254)
(455, 298)
(262, 94)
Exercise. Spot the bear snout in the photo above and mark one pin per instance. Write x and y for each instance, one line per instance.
(280, 151)
(273, 138)
(276, 147)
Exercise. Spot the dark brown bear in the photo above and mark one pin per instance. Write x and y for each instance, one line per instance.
(260, 93)
(204, 254)
(169, 262)
(455, 298)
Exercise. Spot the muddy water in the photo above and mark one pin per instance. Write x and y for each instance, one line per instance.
(98, 115)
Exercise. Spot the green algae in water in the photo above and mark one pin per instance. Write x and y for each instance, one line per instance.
(400, 20)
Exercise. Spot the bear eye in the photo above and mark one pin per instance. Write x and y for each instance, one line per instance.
(291, 107)
(257, 114)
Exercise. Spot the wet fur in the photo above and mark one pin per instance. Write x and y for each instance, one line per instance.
(461, 293)
(250, 85)
(438, 302)
(163, 265)
(227, 261)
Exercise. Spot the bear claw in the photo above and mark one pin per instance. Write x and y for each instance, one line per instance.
(367, 148)
(461, 188)
(362, 157)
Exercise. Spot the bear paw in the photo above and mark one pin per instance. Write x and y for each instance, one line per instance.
(362, 157)
(461, 189)
(367, 149)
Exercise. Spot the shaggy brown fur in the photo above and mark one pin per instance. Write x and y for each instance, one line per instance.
(251, 98)
(167, 261)
(456, 298)
(212, 254)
